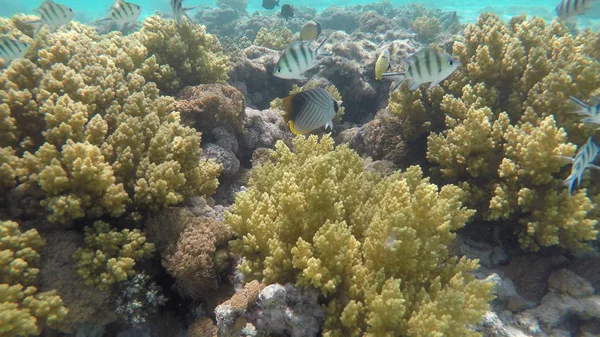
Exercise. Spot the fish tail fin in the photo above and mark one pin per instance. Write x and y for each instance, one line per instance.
(319, 49)
(287, 108)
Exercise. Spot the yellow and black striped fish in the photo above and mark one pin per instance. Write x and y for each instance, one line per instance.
(297, 58)
(425, 66)
(54, 15)
(310, 30)
(568, 9)
(11, 49)
(123, 13)
(309, 109)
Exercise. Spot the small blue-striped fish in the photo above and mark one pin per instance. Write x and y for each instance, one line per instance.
(425, 66)
(179, 11)
(297, 58)
(309, 109)
(11, 49)
(122, 14)
(592, 112)
(582, 161)
(569, 9)
(53, 15)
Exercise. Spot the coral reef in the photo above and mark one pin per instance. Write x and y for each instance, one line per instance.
(274, 38)
(239, 5)
(91, 133)
(194, 56)
(374, 246)
(231, 313)
(207, 106)
(287, 309)
(426, 28)
(139, 298)
(199, 254)
(252, 75)
(506, 122)
(23, 310)
(109, 256)
(88, 305)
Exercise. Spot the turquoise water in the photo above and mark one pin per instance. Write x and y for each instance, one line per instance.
(467, 9)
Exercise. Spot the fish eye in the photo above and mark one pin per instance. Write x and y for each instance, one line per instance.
(70, 9)
(450, 62)
(278, 70)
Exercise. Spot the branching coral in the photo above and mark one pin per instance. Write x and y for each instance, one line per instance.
(195, 55)
(507, 121)
(110, 256)
(273, 38)
(24, 311)
(426, 28)
(375, 246)
(82, 123)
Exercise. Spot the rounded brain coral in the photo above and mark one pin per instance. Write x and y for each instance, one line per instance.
(375, 246)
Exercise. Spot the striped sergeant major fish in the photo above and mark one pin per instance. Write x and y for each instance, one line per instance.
(53, 15)
(425, 66)
(309, 109)
(11, 49)
(567, 10)
(591, 112)
(582, 161)
(179, 11)
(122, 14)
(297, 58)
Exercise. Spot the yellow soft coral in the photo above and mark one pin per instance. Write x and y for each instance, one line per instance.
(500, 123)
(24, 311)
(109, 256)
(375, 246)
(273, 38)
(195, 55)
(83, 123)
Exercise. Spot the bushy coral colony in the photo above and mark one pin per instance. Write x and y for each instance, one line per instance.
(151, 182)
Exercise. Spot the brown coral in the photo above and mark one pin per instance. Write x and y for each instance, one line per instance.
(208, 105)
(199, 255)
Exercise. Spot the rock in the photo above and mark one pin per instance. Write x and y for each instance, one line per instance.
(87, 305)
(287, 309)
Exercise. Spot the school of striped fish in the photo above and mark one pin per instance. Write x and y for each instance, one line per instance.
(122, 14)
(311, 109)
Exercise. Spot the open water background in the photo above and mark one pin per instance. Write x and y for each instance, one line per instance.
(468, 10)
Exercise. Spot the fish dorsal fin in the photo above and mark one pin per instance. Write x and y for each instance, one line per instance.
(288, 108)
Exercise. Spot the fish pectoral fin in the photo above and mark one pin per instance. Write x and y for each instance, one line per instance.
(190, 8)
(413, 86)
(433, 84)
(594, 166)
